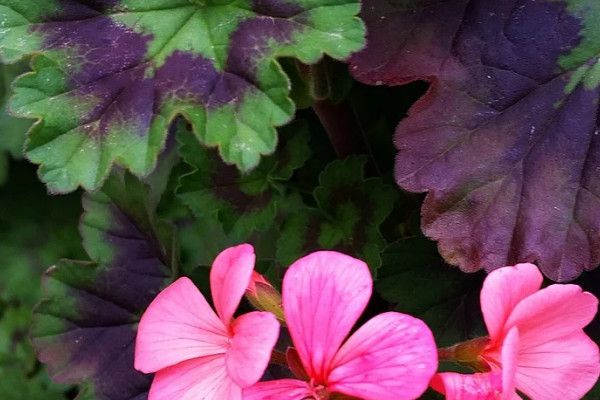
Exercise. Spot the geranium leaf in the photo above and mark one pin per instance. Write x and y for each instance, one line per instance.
(84, 328)
(243, 203)
(12, 130)
(355, 206)
(349, 211)
(506, 139)
(416, 280)
(112, 74)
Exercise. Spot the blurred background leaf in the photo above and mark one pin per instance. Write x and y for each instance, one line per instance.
(36, 230)
(415, 279)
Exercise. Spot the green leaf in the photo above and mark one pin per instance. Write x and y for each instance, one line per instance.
(12, 130)
(244, 203)
(416, 280)
(109, 78)
(14, 324)
(15, 385)
(349, 211)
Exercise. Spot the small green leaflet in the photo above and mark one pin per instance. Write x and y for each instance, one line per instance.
(349, 210)
(244, 203)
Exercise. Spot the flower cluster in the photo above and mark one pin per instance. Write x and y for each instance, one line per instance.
(536, 344)
(197, 353)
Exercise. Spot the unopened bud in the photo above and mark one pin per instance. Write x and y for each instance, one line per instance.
(468, 353)
(264, 297)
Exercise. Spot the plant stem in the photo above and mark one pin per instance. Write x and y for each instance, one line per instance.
(278, 357)
(341, 126)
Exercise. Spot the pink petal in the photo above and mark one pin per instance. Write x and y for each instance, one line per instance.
(564, 369)
(392, 356)
(230, 277)
(283, 389)
(254, 336)
(509, 354)
(503, 289)
(324, 293)
(495, 385)
(201, 378)
(178, 325)
(481, 386)
(555, 311)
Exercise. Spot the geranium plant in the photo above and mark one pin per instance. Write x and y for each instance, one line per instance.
(299, 199)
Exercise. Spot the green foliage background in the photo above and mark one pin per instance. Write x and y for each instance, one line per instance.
(36, 230)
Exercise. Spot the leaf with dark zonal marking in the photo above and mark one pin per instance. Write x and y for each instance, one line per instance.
(110, 76)
(506, 140)
(349, 213)
(84, 328)
(244, 203)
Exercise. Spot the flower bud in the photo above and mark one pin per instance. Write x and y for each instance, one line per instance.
(467, 353)
(264, 297)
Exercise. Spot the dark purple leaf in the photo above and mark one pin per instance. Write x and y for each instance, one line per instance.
(506, 140)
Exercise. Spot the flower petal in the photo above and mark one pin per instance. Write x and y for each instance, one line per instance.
(254, 336)
(502, 290)
(324, 294)
(178, 325)
(282, 389)
(481, 386)
(392, 356)
(229, 279)
(555, 311)
(565, 368)
(509, 354)
(201, 378)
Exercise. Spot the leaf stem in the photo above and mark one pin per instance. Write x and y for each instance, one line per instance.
(341, 126)
(278, 357)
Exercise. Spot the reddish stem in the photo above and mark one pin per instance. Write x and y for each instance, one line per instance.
(341, 126)
(278, 357)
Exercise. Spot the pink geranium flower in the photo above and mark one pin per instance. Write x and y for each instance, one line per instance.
(536, 341)
(196, 353)
(392, 356)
